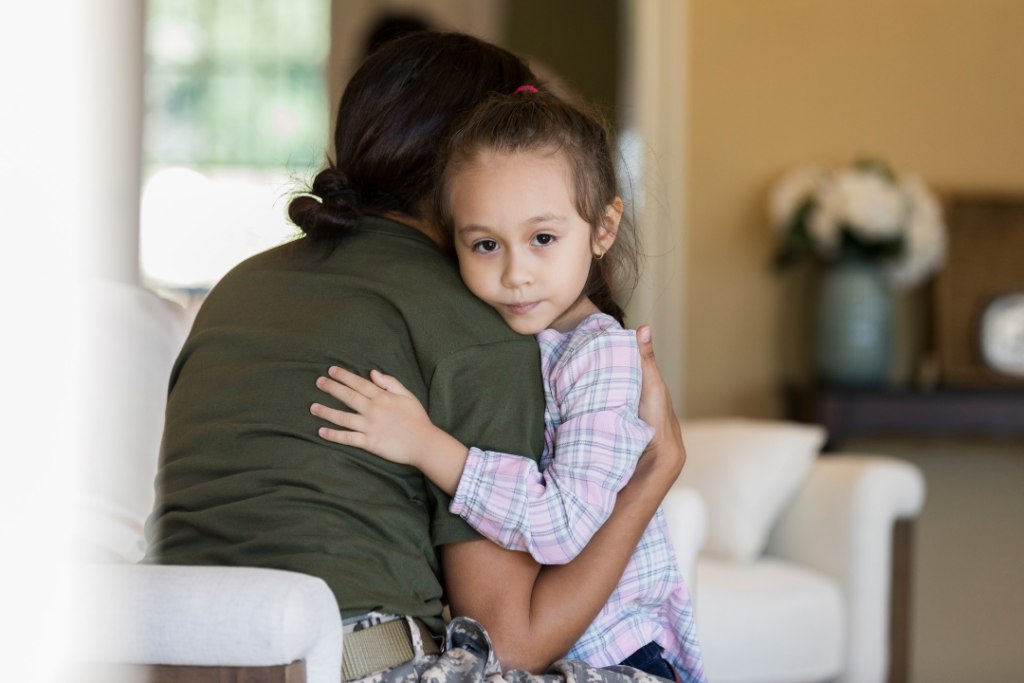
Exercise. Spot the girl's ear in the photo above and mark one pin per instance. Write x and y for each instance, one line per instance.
(609, 228)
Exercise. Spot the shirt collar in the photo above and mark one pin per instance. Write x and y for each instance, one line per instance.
(387, 226)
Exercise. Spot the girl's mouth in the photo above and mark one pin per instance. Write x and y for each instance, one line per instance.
(521, 309)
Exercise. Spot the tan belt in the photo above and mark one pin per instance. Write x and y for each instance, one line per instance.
(382, 647)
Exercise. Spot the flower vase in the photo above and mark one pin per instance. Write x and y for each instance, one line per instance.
(854, 344)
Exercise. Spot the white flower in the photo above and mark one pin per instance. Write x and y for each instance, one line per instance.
(925, 239)
(825, 221)
(873, 208)
(791, 190)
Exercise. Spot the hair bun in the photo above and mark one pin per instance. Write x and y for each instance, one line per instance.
(330, 210)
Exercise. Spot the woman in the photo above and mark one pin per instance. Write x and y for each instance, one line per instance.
(245, 480)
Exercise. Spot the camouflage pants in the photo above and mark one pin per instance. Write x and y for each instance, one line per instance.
(469, 658)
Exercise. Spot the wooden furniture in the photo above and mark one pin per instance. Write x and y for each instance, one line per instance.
(848, 413)
(159, 673)
(900, 600)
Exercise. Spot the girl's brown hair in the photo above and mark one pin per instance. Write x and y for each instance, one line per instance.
(532, 122)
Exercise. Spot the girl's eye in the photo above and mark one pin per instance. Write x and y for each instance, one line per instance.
(543, 240)
(485, 246)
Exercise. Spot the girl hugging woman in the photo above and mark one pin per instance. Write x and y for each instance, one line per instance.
(527, 198)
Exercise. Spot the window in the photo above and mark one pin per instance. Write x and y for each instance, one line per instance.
(236, 110)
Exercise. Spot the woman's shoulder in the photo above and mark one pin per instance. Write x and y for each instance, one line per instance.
(421, 284)
(385, 276)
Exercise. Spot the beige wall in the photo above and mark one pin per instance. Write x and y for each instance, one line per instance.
(935, 86)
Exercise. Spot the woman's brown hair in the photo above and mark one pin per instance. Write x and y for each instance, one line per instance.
(539, 122)
(393, 115)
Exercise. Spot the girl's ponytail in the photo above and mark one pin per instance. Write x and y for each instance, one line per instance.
(329, 211)
(599, 290)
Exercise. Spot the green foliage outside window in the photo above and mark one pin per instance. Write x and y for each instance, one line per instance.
(236, 83)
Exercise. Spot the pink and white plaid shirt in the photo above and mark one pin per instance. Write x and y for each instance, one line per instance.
(593, 439)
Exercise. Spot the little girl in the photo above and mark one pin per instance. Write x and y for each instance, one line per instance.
(528, 197)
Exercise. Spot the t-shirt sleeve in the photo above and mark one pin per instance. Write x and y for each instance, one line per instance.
(489, 396)
(553, 515)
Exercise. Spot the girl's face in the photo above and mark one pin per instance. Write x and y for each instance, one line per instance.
(522, 247)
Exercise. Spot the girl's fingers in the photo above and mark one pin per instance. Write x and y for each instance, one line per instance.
(350, 379)
(350, 397)
(357, 439)
(341, 418)
(389, 383)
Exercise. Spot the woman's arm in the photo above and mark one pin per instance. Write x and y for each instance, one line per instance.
(535, 614)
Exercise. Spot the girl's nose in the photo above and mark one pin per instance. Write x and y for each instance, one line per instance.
(517, 273)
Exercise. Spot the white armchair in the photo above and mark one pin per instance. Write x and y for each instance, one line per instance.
(818, 603)
(687, 519)
(851, 520)
(145, 623)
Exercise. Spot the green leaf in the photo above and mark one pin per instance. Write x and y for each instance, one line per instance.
(876, 166)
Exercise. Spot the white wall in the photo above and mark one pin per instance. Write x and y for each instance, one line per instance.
(69, 130)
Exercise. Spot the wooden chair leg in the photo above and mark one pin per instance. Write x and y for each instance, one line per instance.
(161, 673)
(899, 607)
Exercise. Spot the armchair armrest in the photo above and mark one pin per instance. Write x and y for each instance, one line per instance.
(210, 616)
(687, 519)
(841, 522)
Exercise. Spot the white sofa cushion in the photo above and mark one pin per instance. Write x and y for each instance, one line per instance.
(687, 520)
(208, 616)
(132, 339)
(746, 471)
(771, 621)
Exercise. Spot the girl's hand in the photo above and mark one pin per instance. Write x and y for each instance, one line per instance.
(656, 410)
(388, 420)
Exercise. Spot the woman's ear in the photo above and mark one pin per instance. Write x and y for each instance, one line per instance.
(609, 228)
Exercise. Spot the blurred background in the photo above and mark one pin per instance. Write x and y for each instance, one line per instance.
(155, 143)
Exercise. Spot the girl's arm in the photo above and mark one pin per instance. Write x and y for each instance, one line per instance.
(534, 614)
(597, 443)
(505, 497)
(390, 422)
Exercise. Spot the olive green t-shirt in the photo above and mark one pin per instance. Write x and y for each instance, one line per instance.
(244, 479)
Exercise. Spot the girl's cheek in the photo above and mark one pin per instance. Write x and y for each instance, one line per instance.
(476, 279)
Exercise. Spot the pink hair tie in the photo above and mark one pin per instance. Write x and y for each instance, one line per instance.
(524, 88)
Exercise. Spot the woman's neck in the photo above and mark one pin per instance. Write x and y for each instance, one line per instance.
(424, 226)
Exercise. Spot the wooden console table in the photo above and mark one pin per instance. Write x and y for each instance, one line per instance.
(945, 412)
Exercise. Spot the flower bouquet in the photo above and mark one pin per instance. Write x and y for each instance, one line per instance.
(873, 232)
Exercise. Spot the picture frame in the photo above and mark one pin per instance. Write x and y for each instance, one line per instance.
(985, 261)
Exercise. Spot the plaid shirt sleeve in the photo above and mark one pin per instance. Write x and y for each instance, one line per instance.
(598, 439)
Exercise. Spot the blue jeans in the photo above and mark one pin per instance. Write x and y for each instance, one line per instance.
(649, 660)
